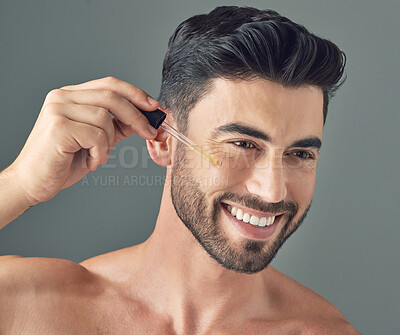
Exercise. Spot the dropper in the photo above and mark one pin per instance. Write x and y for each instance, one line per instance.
(156, 119)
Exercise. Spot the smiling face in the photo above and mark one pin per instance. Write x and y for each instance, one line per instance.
(268, 138)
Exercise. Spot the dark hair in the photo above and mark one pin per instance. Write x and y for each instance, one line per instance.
(244, 43)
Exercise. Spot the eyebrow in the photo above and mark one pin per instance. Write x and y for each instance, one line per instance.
(236, 128)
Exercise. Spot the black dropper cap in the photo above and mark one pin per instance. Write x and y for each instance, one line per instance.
(155, 117)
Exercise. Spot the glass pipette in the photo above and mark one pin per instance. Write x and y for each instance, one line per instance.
(179, 136)
(156, 119)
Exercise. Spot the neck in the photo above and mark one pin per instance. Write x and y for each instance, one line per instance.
(190, 286)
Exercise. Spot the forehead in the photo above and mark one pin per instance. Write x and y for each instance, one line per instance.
(284, 113)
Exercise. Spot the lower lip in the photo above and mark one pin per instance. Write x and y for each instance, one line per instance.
(249, 230)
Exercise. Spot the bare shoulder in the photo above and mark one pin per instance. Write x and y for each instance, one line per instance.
(36, 271)
(21, 275)
(27, 283)
(309, 311)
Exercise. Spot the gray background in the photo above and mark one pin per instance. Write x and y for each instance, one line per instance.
(347, 249)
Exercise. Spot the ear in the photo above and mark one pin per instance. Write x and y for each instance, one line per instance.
(160, 148)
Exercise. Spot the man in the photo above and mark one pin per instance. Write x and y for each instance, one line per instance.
(252, 88)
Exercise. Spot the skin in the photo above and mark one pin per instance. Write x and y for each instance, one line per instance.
(169, 284)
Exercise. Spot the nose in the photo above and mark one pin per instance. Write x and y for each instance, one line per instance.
(268, 180)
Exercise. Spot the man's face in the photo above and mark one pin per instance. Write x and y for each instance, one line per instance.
(267, 137)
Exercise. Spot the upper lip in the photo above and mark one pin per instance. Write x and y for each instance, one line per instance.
(252, 211)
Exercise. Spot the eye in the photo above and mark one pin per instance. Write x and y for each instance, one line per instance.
(244, 144)
(302, 154)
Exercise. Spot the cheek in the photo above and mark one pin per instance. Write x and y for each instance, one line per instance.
(232, 172)
(234, 167)
(237, 167)
(301, 187)
(218, 178)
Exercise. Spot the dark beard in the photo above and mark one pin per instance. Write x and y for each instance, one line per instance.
(247, 256)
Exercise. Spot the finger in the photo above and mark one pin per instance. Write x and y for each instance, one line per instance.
(94, 139)
(91, 115)
(121, 130)
(135, 95)
(121, 108)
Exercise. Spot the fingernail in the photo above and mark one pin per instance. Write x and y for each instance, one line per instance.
(151, 100)
(152, 130)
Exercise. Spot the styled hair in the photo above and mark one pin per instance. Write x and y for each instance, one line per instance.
(245, 43)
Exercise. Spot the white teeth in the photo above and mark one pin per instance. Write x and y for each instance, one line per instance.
(239, 214)
(263, 221)
(252, 219)
(270, 220)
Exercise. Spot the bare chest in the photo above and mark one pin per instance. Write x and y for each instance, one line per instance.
(117, 320)
(76, 319)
